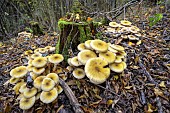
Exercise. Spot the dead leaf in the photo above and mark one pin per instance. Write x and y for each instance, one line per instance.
(128, 87)
(87, 109)
(162, 84)
(109, 102)
(158, 92)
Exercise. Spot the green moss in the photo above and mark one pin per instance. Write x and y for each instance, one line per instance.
(99, 35)
(62, 24)
(58, 46)
(97, 24)
(88, 32)
(65, 51)
(82, 37)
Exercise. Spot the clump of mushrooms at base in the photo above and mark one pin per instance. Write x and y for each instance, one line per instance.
(39, 79)
(124, 30)
(96, 60)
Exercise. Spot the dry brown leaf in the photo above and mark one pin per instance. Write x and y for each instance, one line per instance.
(95, 104)
(158, 92)
(162, 84)
(128, 87)
(87, 109)
(109, 102)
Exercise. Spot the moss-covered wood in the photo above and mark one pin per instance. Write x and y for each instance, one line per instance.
(71, 34)
(75, 28)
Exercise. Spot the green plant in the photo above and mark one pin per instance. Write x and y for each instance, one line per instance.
(154, 19)
(29, 29)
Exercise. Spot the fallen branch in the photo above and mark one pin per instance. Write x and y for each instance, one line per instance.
(146, 72)
(71, 96)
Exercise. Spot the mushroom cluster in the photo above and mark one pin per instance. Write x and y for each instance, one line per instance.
(96, 60)
(124, 30)
(39, 79)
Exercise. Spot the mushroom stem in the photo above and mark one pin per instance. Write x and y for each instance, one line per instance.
(55, 67)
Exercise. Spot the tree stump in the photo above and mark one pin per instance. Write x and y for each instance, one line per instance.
(71, 34)
(75, 28)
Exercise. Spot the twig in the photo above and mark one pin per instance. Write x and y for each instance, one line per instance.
(105, 88)
(71, 96)
(159, 105)
(146, 72)
(143, 98)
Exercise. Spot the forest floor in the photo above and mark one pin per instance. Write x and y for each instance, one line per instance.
(144, 86)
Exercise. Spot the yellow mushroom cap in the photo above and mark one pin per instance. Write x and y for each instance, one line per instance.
(47, 84)
(79, 73)
(85, 55)
(113, 24)
(132, 37)
(17, 87)
(30, 67)
(18, 72)
(69, 61)
(30, 92)
(33, 75)
(118, 59)
(125, 23)
(28, 52)
(26, 103)
(42, 50)
(138, 34)
(95, 70)
(124, 30)
(48, 96)
(133, 30)
(69, 68)
(124, 65)
(75, 61)
(117, 47)
(23, 88)
(48, 47)
(59, 69)
(36, 50)
(87, 44)
(81, 47)
(108, 56)
(39, 62)
(56, 58)
(112, 50)
(112, 30)
(124, 36)
(52, 49)
(38, 81)
(37, 96)
(63, 76)
(38, 71)
(30, 62)
(35, 55)
(59, 89)
(54, 77)
(117, 67)
(99, 45)
(13, 80)
(121, 54)
(136, 28)
(20, 96)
